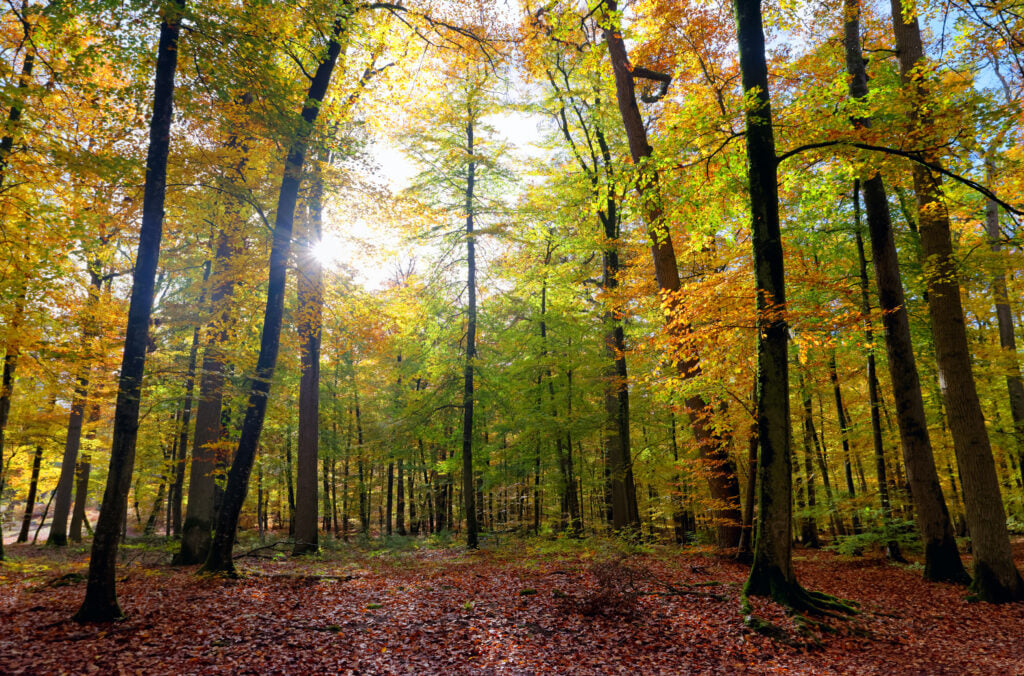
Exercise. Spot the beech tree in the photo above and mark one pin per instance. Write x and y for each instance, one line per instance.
(995, 576)
(220, 558)
(100, 604)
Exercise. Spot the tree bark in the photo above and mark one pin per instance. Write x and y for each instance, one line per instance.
(30, 499)
(202, 489)
(996, 578)
(400, 500)
(713, 448)
(1004, 319)
(12, 350)
(844, 434)
(220, 557)
(82, 470)
(467, 392)
(58, 528)
(892, 549)
(100, 603)
(772, 572)
(942, 560)
(310, 321)
(178, 468)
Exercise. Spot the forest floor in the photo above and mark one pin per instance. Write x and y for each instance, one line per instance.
(516, 606)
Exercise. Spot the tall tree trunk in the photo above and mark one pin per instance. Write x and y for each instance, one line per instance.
(389, 500)
(178, 466)
(573, 502)
(310, 320)
(892, 549)
(12, 350)
(46, 512)
(772, 572)
(82, 470)
(809, 525)
(289, 481)
(150, 526)
(220, 557)
(400, 500)
(364, 498)
(844, 434)
(1004, 318)
(621, 488)
(570, 507)
(811, 440)
(260, 512)
(995, 576)
(196, 532)
(11, 355)
(942, 560)
(30, 499)
(100, 603)
(73, 440)
(468, 493)
(713, 447)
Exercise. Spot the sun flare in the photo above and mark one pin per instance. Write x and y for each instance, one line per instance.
(332, 250)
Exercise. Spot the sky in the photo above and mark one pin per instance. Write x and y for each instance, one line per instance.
(371, 249)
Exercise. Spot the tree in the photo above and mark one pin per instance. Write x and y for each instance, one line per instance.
(942, 560)
(310, 282)
(220, 558)
(713, 447)
(996, 577)
(100, 604)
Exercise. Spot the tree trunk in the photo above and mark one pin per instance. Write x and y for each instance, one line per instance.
(310, 321)
(220, 557)
(811, 438)
(618, 455)
(100, 604)
(467, 393)
(809, 525)
(1004, 318)
(289, 481)
(178, 467)
(65, 484)
(46, 512)
(772, 572)
(12, 350)
(713, 447)
(82, 470)
(942, 560)
(844, 434)
(400, 501)
(30, 499)
(996, 577)
(200, 512)
(364, 502)
(150, 527)
(892, 549)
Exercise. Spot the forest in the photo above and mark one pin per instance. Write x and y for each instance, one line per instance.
(511, 336)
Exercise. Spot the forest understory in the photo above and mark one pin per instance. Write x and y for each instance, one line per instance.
(515, 606)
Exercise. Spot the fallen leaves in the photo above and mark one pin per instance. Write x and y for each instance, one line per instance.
(502, 611)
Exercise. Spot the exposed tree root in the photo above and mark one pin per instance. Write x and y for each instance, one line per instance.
(803, 605)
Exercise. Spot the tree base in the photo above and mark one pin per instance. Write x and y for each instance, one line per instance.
(99, 610)
(302, 548)
(942, 563)
(798, 602)
(195, 544)
(989, 588)
(893, 553)
(221, 566)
